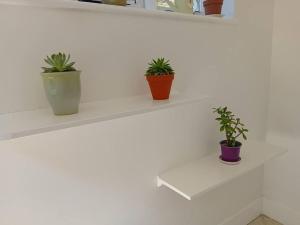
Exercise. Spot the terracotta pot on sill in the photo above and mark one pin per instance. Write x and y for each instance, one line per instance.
(160, 86)
(213, 7)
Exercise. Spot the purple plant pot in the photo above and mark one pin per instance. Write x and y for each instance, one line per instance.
(230, 154)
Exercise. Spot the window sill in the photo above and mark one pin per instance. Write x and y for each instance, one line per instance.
(101, 8)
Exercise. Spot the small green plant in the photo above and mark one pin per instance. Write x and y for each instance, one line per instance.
(159, 67)
(59, 63)
(231, 125)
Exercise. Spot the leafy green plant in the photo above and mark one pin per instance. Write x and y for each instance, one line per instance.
(159, 67)
(59, 63)
(232, 126)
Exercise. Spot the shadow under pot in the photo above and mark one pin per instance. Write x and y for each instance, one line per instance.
(213, 7)
(63, 90)
(230, 154)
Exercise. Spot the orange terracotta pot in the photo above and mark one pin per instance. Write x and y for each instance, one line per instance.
(213, 7)
(160, 86)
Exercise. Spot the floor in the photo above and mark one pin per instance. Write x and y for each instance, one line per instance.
(264, 220)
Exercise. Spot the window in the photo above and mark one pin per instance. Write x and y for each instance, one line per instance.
(182, 6)
(185, 6)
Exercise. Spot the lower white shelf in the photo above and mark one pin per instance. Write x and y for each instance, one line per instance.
(198, 177)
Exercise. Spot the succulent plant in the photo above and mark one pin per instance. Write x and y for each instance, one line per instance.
(232, 126)
(159, 67)
(59, 63)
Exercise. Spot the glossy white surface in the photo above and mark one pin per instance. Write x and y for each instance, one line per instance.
(20, 124)
(201, 176)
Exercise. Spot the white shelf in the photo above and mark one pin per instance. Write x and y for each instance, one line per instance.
(203, 175)
(14, 125)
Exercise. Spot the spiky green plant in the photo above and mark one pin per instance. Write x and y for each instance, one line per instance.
(59, 63)
(231, 125)
(159, 67)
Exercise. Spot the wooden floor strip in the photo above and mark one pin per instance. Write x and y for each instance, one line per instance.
(264, 220)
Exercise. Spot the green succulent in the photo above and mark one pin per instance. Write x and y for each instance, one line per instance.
(59, 63)
(232, 126)
(159, 67)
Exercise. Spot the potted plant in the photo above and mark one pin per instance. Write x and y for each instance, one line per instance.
(183, 6)
(62, 84)
(160, 76)
(233, 129)
(213, 7)
(115, 2)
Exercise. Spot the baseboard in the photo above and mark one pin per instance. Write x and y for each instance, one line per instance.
(245, 215)
(280, 212)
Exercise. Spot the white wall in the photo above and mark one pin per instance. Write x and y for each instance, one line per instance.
(104, 173)
(282, 183)
(285, 69)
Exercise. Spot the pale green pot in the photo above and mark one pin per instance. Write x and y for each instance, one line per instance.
(63, 91)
